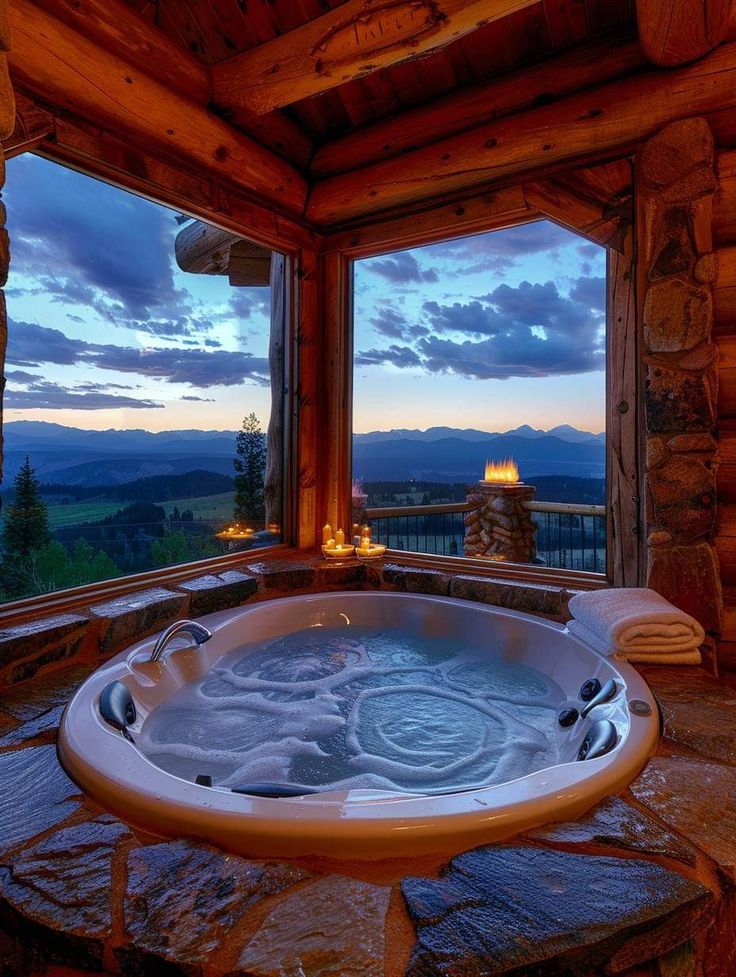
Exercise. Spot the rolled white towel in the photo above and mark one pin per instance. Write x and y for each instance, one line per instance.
(636, 624)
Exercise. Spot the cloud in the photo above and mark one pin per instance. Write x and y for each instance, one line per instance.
(500, 250)
(402, 268)
(590, 291)
(247, 300)
(399, 356)
(30, 344)
(46, 395)
(389, 322)
(204, 400)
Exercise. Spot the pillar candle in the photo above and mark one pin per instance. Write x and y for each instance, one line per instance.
(326, 533)
(339, 537)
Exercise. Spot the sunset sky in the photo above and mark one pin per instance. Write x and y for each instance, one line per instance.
(492, 331)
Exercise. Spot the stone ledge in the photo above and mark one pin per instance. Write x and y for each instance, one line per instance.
(417, 580)
(133, 616)
(284, 575)
(218, 593)
(518, 596)
(27, 647)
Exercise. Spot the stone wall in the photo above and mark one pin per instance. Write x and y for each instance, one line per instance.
(499, 527)
(676, 181)
(7, 122)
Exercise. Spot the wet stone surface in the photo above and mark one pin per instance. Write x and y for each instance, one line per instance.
(31, 701)
(218, 592)
(698, 711)
(36, 795)
(182, 899)
(333, 927)
(64, 881)
(697, 798)
(33, 637)
(616, 824)
(503, 910)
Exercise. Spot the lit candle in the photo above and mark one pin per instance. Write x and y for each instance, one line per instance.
(326, 533)
(366, 532)
(340, 537)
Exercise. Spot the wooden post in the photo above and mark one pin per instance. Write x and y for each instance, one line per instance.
(675, 183)
(7, 124)
(276, 364)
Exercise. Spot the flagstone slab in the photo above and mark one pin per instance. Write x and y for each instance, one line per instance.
(696, 798)
(505, 910)
(183, 899)
(333, 927)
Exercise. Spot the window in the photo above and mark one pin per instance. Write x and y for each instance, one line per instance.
(140, 386)
(479, 398)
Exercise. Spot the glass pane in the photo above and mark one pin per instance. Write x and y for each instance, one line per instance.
(144, 366)
(479, 390)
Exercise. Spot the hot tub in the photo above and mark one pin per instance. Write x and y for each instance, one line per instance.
(417, 724)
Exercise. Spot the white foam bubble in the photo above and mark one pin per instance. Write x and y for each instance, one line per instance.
(358, 708)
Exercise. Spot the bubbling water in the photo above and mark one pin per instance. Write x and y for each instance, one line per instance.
(343, 708)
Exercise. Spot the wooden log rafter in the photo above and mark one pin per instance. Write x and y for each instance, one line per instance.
(203, 249)
(675, 32)
(605, 119)
(72, 72)
(549, 81)
(32, 125)
(116, 27)
(355, 39)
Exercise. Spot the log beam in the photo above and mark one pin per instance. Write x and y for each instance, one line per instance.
(355, 39)
(116, 27)
(32, 125)
(610, 117)
(71, 72)
(203, 249)
(551, 80)
(675, 32)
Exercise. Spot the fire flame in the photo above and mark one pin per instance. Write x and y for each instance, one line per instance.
(505, 470)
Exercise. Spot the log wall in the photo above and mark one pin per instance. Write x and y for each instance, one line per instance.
(7, 124)
(675, 182)
(724, 303)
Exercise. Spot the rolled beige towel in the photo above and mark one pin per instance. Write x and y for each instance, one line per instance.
(636, 624)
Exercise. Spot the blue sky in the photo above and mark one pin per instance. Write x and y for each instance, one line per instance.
(491, 331)
(105, 330)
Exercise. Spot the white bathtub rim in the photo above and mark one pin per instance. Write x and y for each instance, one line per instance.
(345, 823)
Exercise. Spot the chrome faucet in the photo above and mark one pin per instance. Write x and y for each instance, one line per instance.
(198, 631)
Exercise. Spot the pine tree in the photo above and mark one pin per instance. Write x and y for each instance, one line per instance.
(250, 468)
(26, 525)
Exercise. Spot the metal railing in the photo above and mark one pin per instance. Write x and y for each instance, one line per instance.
(569, 536)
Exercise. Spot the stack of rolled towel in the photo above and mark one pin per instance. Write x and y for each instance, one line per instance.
(637, 625)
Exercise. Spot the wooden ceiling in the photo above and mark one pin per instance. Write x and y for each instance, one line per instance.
(216, 30)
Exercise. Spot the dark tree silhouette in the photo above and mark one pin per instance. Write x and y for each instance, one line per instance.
(26, 524)
(250, 472)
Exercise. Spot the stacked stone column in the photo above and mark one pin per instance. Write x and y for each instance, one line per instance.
(676, 181)
(7, 122)
(499, 527)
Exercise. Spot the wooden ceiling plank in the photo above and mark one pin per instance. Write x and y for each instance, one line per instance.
(574, 71)
(355, 39)
(675, 32)
(70, 71)
(605, 119)
(116, 28)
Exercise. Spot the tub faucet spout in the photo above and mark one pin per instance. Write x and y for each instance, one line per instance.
(198, 631)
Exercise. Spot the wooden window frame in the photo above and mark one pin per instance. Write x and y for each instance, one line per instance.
(71, 598)
(623, 384)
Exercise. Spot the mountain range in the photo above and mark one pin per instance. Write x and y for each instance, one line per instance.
(73, 456)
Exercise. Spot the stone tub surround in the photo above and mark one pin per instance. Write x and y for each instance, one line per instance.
(643, 885)
(89, 635)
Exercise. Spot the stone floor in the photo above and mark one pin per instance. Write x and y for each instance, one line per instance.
(643, 885)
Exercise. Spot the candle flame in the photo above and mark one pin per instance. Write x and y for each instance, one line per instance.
(505, 470)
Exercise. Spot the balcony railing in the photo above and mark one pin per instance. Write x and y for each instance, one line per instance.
(569, 536)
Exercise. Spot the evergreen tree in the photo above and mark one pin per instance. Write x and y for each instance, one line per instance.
(25, 533)
(250, 468)
(26, 525)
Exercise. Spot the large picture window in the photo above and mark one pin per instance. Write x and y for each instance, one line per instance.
(143, 371)
(479, 398)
